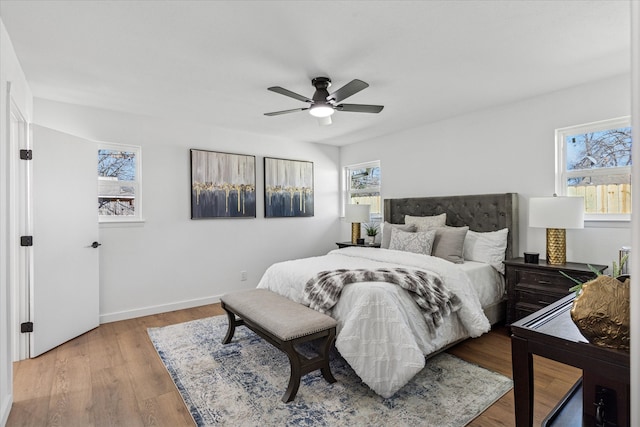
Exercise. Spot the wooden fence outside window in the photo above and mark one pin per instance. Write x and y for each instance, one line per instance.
(604, 199)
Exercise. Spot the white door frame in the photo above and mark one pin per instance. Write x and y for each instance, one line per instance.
(20, 258)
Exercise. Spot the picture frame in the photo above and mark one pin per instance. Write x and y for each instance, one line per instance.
(288, 188)
(223, 185)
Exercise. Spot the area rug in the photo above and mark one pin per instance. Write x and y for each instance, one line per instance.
(241, 384)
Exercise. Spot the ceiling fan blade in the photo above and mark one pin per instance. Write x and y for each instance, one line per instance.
(286, 92)
(351, 88)
(277, 113)
(360, 108)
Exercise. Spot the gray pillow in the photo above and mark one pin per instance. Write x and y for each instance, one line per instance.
(449, 243)
(386, 232)
(425, 223)
(419, 242)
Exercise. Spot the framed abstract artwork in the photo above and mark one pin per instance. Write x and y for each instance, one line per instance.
(223, 185)
(288, 188)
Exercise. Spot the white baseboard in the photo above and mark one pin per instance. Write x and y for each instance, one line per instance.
(156, 309)
(7, 401)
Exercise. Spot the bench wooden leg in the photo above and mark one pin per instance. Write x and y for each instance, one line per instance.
(233, 322)
(296, 372)
(300, 365)
(326, 350)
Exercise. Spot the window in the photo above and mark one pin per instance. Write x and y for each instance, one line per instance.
(363, 187)
(119, 198)
(594, 161)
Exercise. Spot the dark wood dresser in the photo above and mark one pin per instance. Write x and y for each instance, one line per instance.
(531, 287)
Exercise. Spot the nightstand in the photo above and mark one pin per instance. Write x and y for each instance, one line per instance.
(531, 287)
(366, 245)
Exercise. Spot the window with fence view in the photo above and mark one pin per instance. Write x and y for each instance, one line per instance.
(118, 186)
(363, 187)
(597, 166)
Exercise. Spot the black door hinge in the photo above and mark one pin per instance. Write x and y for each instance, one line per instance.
(26, 154)
(26, 240)
(26, 327)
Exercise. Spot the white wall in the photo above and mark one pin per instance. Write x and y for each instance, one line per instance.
(171, 261)
(510, 148)
(10, 71)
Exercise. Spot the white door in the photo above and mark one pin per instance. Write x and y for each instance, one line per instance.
(64, 289)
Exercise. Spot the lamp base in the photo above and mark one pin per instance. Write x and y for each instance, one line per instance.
(556, 246)
(355, 232)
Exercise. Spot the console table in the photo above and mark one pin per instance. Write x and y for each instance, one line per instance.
(551, 333)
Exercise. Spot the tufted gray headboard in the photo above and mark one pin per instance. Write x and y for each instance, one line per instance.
(481, 212)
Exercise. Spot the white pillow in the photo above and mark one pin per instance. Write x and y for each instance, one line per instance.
(424, 223)
(386, 232)
(420, 242)
(486, 247)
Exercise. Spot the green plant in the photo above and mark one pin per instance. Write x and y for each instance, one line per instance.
(616, 272)
(371, 229)
(617, 269)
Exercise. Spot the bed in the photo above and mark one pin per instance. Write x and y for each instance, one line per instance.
(382, 333)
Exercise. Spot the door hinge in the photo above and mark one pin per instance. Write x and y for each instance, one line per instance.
(26, 327)
(26, 240)
(26, 154)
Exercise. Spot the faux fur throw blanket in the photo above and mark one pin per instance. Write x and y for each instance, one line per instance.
(427, 289)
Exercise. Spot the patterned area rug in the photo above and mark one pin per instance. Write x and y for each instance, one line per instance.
(241, 384)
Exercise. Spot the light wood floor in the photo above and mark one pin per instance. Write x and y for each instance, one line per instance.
(113, 376)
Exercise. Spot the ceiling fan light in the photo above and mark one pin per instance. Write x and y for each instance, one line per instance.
(321, 110)
(324, 121)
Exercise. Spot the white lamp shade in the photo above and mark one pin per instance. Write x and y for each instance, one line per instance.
(556, 212)
(357, 213)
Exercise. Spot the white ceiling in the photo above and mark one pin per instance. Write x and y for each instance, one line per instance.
(212, 61)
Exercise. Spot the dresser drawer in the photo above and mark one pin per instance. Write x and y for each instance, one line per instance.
(523, 309)
(542, 278)
(538, 295)
(552, 278)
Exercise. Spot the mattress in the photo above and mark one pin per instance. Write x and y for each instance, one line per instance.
(487, 281)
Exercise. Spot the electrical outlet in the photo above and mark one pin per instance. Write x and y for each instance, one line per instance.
(243, 275)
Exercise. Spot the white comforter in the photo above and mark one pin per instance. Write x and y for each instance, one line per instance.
(381, 332)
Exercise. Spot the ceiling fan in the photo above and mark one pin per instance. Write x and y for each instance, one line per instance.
(323, 104)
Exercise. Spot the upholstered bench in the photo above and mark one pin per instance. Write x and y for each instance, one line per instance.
(283, 323)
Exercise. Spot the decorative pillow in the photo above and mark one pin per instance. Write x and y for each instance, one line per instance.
(449, 243)
(424, 223)
(386, 232)
(419, 242)
(487, 247)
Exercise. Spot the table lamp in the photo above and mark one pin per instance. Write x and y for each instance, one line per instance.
(556, 214)
(356, 214)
